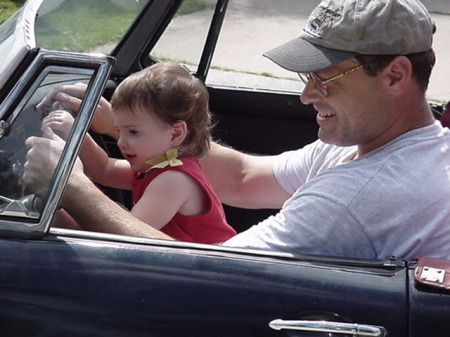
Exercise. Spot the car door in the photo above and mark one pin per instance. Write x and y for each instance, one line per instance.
(73, 283)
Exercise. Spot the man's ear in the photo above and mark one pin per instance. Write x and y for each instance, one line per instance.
(399, 73)
(179, 133)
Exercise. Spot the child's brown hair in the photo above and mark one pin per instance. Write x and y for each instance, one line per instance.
(174, 95)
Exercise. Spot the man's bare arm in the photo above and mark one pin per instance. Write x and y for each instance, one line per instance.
(243, 180)
(94, 211)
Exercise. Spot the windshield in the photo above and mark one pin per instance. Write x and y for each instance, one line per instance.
(85, 25)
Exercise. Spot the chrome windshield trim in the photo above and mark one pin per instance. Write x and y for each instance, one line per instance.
(100, 67)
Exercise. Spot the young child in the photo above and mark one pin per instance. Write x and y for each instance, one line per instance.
(163, 119)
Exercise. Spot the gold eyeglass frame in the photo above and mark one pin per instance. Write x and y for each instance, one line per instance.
(321, 83)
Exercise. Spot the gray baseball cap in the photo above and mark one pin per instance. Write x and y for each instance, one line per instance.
(341, 29)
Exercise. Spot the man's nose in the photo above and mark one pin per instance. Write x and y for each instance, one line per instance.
(310, 94)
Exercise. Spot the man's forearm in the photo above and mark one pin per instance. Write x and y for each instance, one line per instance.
(94, 211)
(243, 180)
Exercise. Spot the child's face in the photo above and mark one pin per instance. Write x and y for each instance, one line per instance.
(143, 136)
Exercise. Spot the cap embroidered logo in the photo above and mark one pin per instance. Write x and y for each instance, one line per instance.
(320, 17)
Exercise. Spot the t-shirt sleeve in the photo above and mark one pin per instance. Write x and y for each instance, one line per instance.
(308, 225)
(291, 168)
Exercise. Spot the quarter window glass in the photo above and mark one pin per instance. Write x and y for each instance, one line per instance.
(25, 121)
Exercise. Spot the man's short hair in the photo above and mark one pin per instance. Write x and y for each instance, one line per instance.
(422, 65)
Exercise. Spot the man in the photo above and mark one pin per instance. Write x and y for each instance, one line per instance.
(374, 182)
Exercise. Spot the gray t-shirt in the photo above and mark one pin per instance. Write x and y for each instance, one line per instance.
(392, 201)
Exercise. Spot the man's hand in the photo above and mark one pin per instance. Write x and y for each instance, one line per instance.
(69, 97)
(64, 97)
(42, 157)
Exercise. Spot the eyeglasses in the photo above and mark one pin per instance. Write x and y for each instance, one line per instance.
(320, 83)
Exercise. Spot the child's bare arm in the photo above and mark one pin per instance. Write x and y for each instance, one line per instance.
(169, 193)
(107, 171)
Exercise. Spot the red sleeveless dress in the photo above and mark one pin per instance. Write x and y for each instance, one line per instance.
(210, 227)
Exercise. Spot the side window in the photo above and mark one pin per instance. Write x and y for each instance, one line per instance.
(184, 39)
(251, 28)
(238, 60)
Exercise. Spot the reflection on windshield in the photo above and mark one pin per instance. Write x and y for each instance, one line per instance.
(6, 32)
(85, 25)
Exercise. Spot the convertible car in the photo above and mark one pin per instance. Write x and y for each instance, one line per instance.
(61, 282)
